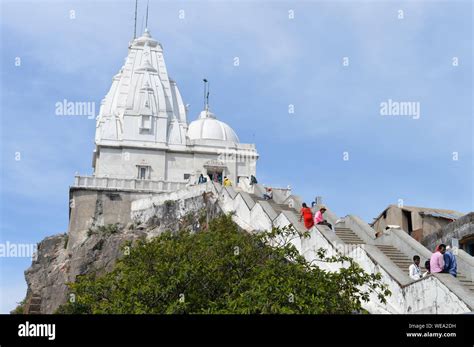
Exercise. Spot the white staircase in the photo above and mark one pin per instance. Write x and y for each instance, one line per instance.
(389, 255)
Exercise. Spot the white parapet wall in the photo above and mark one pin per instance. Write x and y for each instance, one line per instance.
(127, 184)
(143, 209)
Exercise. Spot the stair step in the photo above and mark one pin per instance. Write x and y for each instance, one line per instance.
(349, 238)
(347, 234)
(401, 261)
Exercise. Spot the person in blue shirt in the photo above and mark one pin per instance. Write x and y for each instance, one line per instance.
(450, 265)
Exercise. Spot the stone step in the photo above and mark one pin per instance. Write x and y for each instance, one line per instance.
(394, 252)
(33, 305)
(399, 257)
(407, 265)
(349, 238)
(401, 261)
(350, 232)
(467, 282)
(351, 241)
(347, 235)
(35, 301)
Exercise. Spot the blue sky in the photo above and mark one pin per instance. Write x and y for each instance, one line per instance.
(282, 61)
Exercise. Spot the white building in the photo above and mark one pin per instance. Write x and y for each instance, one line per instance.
(143, 140)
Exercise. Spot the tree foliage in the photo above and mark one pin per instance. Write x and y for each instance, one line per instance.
(223, 270)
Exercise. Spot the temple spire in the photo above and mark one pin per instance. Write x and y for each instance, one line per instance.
(135, 26)
(146, 20)
(206, 94)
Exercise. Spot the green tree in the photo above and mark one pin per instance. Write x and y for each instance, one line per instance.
(223, 270)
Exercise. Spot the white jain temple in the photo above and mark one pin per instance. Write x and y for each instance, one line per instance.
(146, 155)
(143, 140)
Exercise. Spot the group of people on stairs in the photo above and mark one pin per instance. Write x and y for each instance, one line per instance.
(442, 261)
(227, 182)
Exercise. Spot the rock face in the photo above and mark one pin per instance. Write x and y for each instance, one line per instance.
(96, 249)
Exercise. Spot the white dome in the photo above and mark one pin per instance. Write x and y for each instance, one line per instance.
(207, 127)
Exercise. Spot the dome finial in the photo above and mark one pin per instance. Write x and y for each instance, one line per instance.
(135, 27)
(206, 95)
(146, 32)
(146, 20)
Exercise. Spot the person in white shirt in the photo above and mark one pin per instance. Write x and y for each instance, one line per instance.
(414, 269)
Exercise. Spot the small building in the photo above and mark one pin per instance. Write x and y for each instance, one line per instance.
(419, 222)
(460, 234)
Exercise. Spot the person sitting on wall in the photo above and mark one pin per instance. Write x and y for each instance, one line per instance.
(414, 270)
(450, 265)
(269, 194)
(427, 267)
(253, 180)
(437, 259)
(307, 215)
(202, 179)
(227, 182)
(319, 219)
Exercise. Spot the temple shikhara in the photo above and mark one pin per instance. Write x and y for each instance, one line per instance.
(143, 139)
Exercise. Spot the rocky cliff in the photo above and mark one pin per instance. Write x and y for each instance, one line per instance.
(60, 260)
